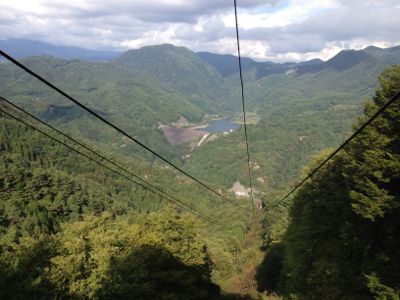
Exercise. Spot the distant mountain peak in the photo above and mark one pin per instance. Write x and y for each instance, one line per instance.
(175, 67)
(348, 58)
(373, 48)
(24, 47)
(315, 61)
(226, 64)
(160, 47)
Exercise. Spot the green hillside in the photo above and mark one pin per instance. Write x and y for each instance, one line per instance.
(134, 102)
(156, 84)
(55, 203)
(70, 229)
(342, 234)
(177, 68)
(301, 113)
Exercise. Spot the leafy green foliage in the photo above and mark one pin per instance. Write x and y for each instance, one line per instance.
(70, 229)
(134, 102)
(50, 213)
(102, 257)
(41, 185)
(301, 113)
(342, 239)
(177, 68)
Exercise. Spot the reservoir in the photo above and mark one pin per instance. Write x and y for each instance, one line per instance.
(223, 125)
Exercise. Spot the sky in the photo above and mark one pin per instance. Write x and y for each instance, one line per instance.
(270, 30)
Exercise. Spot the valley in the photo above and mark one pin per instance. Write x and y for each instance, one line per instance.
(186, 106)
(322, 101)
(179, 133)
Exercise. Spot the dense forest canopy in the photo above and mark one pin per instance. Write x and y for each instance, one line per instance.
(48, 191)
(343, 238)
(71, 229)
(137, 95)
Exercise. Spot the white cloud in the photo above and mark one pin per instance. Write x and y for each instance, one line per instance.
(278, 30)
(295, 11)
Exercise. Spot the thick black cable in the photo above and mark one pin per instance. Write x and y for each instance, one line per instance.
(243, 104)
(89, 149)
(373, 117)
(182, 205)
(191, 210)
(20, 65)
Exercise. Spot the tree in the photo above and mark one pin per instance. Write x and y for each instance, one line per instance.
(156, 256)
(343, 241)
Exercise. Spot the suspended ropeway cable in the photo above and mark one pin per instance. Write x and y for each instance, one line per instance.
(88, 149)
(347, 141)
(98, 116)
(161, 194)
(243, 105)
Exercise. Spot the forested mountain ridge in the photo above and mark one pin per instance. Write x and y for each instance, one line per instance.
(226, 64)
(137, 103)
(343, 60)
(177, 67)
(298, 115)
(69, 229)
(154, 84)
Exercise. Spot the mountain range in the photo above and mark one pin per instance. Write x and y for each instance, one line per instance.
(225, 64)
(23, 48)
(73, 228)
(297, 108)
